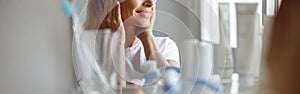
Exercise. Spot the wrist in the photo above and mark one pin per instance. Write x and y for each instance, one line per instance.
(145, 36)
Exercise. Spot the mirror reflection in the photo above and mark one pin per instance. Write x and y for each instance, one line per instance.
(192, 46)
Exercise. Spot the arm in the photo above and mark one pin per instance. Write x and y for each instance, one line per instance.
(283, 58)
(102, 14)
(152, 51)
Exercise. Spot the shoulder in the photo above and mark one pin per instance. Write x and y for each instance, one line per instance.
(169, 48)
(166, 41)
(163, 39)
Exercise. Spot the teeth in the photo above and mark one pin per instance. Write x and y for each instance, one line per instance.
(145, 11)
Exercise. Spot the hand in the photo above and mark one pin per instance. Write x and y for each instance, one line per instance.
(103, 14)
(140, 30)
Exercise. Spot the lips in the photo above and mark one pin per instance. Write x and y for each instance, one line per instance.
(144, 13)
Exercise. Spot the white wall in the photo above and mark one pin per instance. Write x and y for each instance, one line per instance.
(35, 48)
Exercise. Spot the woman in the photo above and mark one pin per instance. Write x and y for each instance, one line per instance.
(134, 20)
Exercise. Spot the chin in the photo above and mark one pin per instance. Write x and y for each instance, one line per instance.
(142, 24)
(138, 22)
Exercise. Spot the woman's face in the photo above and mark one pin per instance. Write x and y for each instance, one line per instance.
(137, 12)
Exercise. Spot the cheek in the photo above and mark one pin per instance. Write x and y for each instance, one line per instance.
(125, 13)
(128, 8)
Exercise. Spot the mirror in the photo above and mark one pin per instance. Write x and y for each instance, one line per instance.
(219, 42)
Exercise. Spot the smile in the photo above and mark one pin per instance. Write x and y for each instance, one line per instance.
(144, 13)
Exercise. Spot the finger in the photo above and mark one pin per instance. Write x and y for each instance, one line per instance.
(119, 17)
(93, 16)
(121, 28)
(117, 21)
(152, 20)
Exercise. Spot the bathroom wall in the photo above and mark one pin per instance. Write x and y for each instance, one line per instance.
(35, 48)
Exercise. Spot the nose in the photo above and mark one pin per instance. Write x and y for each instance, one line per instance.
(148, 3)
